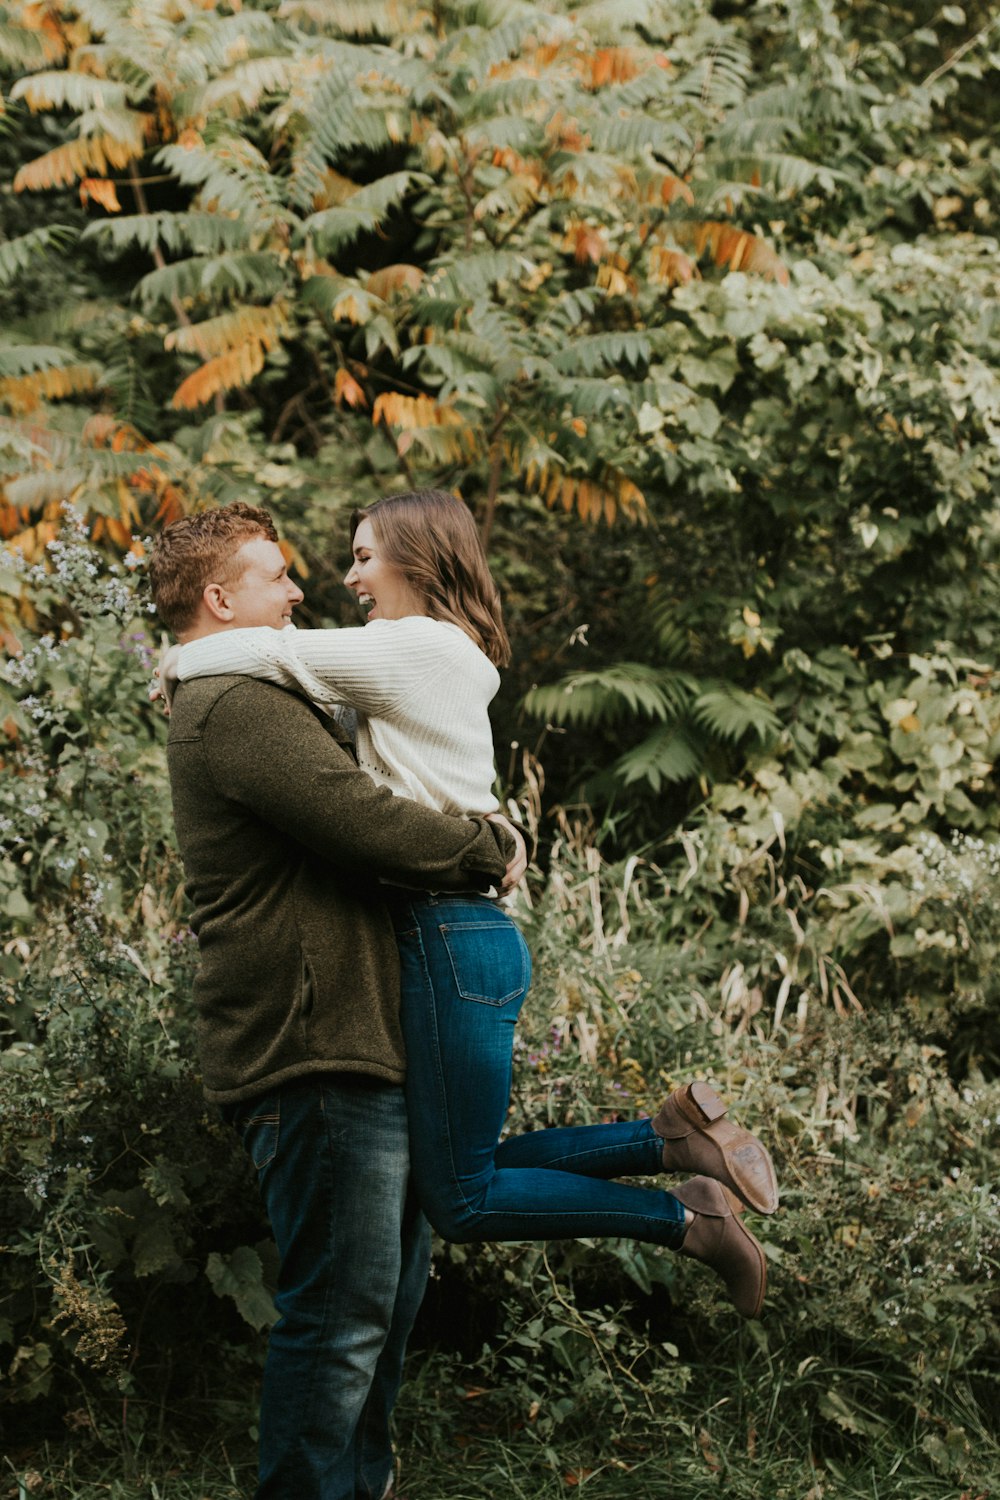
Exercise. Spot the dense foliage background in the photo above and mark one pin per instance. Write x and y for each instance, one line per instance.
(695, 305)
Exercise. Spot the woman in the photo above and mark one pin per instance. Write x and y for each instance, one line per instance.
(421, 676)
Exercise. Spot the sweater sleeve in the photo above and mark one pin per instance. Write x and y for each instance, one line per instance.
(370, 669)
(290, 772)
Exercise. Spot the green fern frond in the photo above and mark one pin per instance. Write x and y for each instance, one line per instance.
(364, 211)
(602, 351)
(340, 117)
(606, 696)
(23, 48)
(594, 175)
(476, 276)
(574, 308)
(667, 756)
(25, 359)
(342, 299)
(22, 253)
(635, 136)
(244, 87)
(778, 171)
(505, 97)
(231, 174)
(64, 89)
(127, 126)
(612, 20)
(250, 274)
(669, 633)
(43, 486)
(591, 397)
(383, 18)
(718, 82)
(648, 86)
(480, 47)
(213, 42)
(455, 357)
(510, 196)
(729, 713)
(203, 233)
(499, 132)
(306, 175)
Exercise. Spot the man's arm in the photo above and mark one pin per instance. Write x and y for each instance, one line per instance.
(267, 750)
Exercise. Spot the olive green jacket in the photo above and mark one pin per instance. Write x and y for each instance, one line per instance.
(284, 842)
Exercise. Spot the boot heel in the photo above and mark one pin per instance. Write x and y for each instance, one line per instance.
(706, 1100)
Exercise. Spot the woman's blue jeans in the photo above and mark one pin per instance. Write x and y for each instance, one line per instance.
(465, 971)
(332, 1160)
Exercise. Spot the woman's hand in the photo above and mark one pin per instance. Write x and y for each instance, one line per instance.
(517, 865)
(166, 673)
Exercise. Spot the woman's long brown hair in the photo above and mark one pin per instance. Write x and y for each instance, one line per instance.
(430, 536)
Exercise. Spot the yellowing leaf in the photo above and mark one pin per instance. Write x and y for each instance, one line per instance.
(23, 393)
(64, 164)
(670, 267)
(586, 243)
(265, 325)
(610, 65)
(592, 499)
(100, 190)
(736, 249)
(347, 391)
(392, 279)
(237, 367)
(614, 280)
(412, 412)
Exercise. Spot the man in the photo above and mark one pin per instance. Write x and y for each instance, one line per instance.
(284, 842)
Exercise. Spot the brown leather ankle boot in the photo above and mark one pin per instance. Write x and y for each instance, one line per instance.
(717, 1237)
(697, 1138)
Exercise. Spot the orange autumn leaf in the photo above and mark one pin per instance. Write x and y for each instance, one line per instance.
(610, 65)
(64, 164)
(237, 367)
(347, 391)
(397, 278)
(412, 412)
(116, 531)
(614, 280)
(594, 500)
(736, 249)
(670, 267)
(171, 506)
(586, 243)
(293, 558)
(24, 393)
(100, 190)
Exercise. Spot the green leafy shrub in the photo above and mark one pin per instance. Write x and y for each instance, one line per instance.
(127, 1205)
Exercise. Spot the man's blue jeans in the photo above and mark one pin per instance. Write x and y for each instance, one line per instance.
(465, 971)
(332, 1162)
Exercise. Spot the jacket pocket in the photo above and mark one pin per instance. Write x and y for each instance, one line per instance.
(307, 993)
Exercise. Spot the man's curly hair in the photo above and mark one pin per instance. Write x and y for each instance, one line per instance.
(195, 551)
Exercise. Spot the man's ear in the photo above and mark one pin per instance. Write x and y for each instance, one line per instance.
(216, 601)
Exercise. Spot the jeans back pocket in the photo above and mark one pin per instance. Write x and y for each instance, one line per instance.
(257, 1125)
(490, 960)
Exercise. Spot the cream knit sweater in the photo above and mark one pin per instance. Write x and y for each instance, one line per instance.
(421, 689)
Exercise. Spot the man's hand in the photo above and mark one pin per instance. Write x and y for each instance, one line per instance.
(518, 862)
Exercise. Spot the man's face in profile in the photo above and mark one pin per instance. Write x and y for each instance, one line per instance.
(262, 592)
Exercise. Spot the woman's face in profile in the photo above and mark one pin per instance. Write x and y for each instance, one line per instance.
(379, 585)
